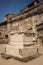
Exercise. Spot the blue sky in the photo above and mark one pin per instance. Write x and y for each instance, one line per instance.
(12, 6)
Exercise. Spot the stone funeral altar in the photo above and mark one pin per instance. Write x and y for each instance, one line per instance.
(21, 44)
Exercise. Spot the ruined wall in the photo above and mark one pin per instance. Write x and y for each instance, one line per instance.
(25, 23)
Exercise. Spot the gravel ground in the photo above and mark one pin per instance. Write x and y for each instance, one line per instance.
(36, 61)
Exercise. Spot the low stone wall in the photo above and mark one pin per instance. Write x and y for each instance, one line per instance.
(3, 41)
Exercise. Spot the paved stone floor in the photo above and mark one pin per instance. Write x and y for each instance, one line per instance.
(36, 61)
